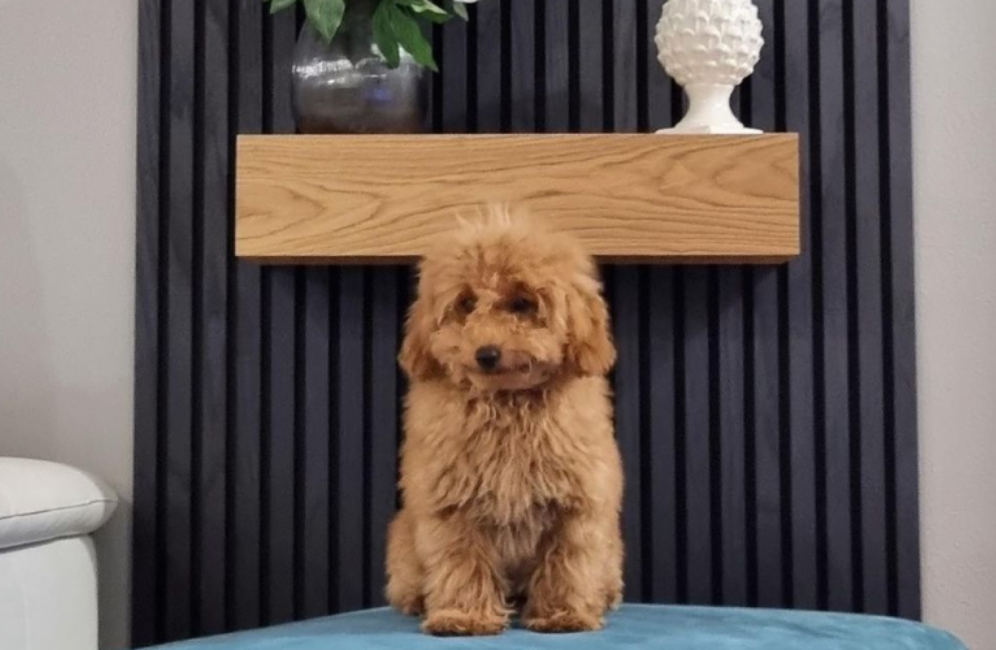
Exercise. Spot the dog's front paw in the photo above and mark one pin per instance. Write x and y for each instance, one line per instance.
(613, 599)
(452, 622)
(410, 606)
(565, 621)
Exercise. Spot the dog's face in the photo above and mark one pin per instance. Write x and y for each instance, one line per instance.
(503, 306)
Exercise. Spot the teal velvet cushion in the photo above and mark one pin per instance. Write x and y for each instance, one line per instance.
(632, 627)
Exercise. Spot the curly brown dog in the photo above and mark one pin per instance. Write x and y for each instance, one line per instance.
(510, 473)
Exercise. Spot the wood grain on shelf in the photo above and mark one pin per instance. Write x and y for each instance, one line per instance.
(319, 199)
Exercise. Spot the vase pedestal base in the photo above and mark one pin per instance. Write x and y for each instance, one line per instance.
(709, 130)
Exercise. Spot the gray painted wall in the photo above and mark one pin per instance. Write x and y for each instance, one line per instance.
(67, 249)
(954, 136)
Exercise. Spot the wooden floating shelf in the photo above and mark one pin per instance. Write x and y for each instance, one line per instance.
(630, 198)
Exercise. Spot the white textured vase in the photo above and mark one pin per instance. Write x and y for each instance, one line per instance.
(709, 47)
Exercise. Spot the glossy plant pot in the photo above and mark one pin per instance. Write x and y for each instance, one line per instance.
(345, 87)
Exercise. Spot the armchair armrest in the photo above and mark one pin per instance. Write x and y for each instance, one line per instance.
(41, 500)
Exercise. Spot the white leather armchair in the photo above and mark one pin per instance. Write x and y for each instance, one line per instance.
(48, 570)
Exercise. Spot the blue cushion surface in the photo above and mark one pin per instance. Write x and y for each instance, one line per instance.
(632, 627)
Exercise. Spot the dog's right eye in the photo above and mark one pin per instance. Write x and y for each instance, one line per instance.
(522, 306)
(466, 305)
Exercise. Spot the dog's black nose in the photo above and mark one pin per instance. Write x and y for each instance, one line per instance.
(488, 357)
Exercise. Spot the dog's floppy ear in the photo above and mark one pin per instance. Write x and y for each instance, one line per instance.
(589, 350)
(415, 357)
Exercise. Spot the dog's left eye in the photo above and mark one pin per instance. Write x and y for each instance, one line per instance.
(522, 305)
(466, 305)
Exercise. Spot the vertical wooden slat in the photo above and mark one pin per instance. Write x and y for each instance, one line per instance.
(453, 68)
(349, 457)
(733, 362)
(767, 453)
(743, 375)
(832, 281)
(147, 527)
(658, 85)
(432, 121)
(590, 72)
(212, 542)
(626, 310)
(870, 379)
(283, 38)
(799, 288)
(698, 451)
(487, 23)
(729, 345)
(244, 452)
(556, 97)
(900, 321)
(280, 370)
(382, 393)
(278, 450)
(663, 505)
(179, 321)
(523, 65)
(626, 292)
(765, 381)
(314, 512)
(624, 82)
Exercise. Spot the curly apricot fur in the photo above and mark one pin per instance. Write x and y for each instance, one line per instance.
(511, 478)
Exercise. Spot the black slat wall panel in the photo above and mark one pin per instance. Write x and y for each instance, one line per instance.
(210, 540)
(149, 334)
(315, 469)
(279, 297)
(797, 369)
(766, 414)
(761, 106)
(382, 393)
(899, 344)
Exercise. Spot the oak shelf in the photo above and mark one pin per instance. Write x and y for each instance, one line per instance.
(631, 198)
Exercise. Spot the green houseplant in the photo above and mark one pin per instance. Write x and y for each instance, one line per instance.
(360, 66)
(397, 24)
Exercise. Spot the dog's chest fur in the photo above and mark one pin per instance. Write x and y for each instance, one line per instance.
(514, 467)
(512, 464)
(514, 473)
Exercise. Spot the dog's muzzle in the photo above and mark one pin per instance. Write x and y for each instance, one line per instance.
(487, 357)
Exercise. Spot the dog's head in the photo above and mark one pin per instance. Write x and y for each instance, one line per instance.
(504, 305)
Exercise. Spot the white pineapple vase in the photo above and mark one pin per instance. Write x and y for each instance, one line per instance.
(709, 47)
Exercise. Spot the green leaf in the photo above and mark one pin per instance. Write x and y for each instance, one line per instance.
(460, 9)
(427, 10)
(410, 36)
(325, 16)
(280, 5)
(436, 18)
(423, 6)
(384, 36)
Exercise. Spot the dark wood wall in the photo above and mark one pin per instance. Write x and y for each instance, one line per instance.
(766, 414)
